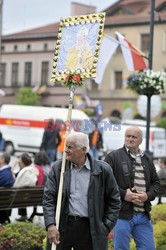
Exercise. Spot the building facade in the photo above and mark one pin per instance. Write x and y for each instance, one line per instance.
(27, 57)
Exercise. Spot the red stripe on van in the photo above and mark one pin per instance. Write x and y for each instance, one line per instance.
(22, 123)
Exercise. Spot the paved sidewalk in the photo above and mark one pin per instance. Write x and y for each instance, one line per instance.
(39, 220)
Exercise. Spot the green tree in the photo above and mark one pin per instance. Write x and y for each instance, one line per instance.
(25, 96)
(162, 123)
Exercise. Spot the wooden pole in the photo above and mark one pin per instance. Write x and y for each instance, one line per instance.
(59, 200)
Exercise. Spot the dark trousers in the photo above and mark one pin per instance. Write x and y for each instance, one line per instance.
(4, 216)
(22, 211)
(77, 236)
(159, 200)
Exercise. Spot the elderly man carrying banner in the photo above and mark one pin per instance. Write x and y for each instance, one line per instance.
(90, 202)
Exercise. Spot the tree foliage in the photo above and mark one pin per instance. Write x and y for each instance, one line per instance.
(25, 96)
(162, 123)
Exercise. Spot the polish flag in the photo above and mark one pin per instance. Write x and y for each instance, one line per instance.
(133, 56)
(107, 49)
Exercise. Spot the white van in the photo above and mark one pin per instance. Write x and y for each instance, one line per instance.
(22, 127)
(114, 138)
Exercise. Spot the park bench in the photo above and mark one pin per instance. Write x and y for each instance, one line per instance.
(21, 198)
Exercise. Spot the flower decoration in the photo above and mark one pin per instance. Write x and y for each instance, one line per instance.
(73, 79)
(147, 82)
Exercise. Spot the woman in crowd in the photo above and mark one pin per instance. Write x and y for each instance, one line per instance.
(26, 177)
(42, 163)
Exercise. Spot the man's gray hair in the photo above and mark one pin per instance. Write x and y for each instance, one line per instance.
(81, 139)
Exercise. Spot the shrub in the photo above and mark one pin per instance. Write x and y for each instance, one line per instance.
(44, 243)
(160, 235)
(21, 236)
(162, 123)
(158, 213)
(110, 241)
(132, 244)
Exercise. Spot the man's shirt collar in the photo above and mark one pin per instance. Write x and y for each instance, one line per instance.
(86, 164)
(140, 154)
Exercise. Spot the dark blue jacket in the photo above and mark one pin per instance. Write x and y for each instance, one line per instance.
(6, 177)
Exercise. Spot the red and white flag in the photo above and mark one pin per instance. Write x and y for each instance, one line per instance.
(107, 49)
(133, 56)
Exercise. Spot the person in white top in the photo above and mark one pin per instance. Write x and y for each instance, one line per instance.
(26, 177)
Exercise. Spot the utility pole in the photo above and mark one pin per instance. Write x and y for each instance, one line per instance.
(151, 34)
(150, 59)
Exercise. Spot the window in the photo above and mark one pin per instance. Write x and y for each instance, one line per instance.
(28, 47)
(45, 46)
(28, 73)
(118, 79)
(2, 74)
(2, 48)
(44, 72)
(14, 74)
(15, 47)
(145, 42)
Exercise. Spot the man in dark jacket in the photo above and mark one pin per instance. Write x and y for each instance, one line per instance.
(90, 202)
(50, 141)
(6, 180)
(138, 183)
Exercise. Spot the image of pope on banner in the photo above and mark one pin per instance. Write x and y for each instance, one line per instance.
(77, 46)
(80, 55)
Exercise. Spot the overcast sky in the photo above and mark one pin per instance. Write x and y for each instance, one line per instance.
(20, 15)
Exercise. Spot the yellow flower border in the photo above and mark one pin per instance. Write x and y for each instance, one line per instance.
(59, 75)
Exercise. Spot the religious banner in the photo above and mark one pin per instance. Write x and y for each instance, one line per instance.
(76, 57)
(77, 46)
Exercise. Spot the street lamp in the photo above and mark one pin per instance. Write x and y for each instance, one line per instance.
(150, 58)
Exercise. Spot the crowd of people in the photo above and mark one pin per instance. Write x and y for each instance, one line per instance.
(97, 197)
(23, 172)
